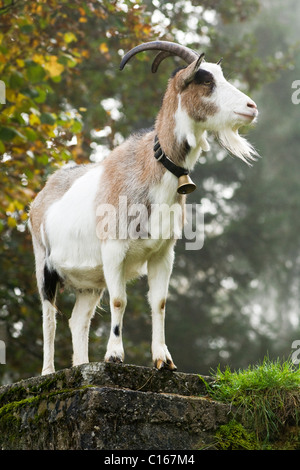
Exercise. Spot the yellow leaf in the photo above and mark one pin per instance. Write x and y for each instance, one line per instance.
(14, 97)
(53, 67)
(19, 206)
(20, 63)
(11, 222)
(11, 95)
(10, 207)
(20, 97)
(38, 58)
(34, 119)
(9, 111)
(69, 37)
(82, 20)
(50, 131)
(103, 48)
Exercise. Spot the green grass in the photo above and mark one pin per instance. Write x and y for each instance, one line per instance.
(267, 396)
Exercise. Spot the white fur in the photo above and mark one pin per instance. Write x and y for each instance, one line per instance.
(232, 141)
(79, 323)
(71, 232)
(49, 328)
(113, 254)
(194, 133)
(184, 126)
(166, 215)
(159, 272)
(226, 122)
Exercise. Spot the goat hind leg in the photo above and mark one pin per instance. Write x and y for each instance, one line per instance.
(48, 282)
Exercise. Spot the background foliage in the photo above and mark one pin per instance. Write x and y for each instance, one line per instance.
(235, 300)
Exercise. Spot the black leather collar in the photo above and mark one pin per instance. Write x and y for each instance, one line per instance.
(166, 162)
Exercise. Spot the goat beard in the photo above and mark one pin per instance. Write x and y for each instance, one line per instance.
(234, 143)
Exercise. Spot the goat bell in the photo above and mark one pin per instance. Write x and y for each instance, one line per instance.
(185, 185)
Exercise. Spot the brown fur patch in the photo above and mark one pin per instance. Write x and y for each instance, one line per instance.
(193, 94)
(197, 107)
(165, 125)
(117, 303)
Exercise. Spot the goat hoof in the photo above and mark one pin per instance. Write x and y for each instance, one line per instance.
(115, 359)
(160, 364)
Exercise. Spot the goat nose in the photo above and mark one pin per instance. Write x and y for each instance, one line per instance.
(251, 105)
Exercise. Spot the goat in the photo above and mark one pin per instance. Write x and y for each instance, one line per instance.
(70, 242)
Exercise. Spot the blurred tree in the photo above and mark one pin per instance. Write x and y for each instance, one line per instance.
(49, 52)
(66, 100)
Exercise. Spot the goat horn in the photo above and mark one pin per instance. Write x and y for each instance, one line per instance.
(162, 56)
(159, 58)
(170, 47)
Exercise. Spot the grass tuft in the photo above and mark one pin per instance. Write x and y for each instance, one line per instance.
(267, 394)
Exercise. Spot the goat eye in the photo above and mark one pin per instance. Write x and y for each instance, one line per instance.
(207, 82)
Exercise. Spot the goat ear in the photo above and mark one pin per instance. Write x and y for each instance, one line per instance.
(194, 70)
(199, 61)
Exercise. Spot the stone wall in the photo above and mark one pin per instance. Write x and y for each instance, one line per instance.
(109, 406)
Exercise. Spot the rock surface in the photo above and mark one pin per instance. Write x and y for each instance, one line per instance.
(109, 406)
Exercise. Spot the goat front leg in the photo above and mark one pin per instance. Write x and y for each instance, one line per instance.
(83, 311)
(113, 254)
(159, 271)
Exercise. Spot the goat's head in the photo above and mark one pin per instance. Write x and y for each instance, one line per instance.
(205, 96)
